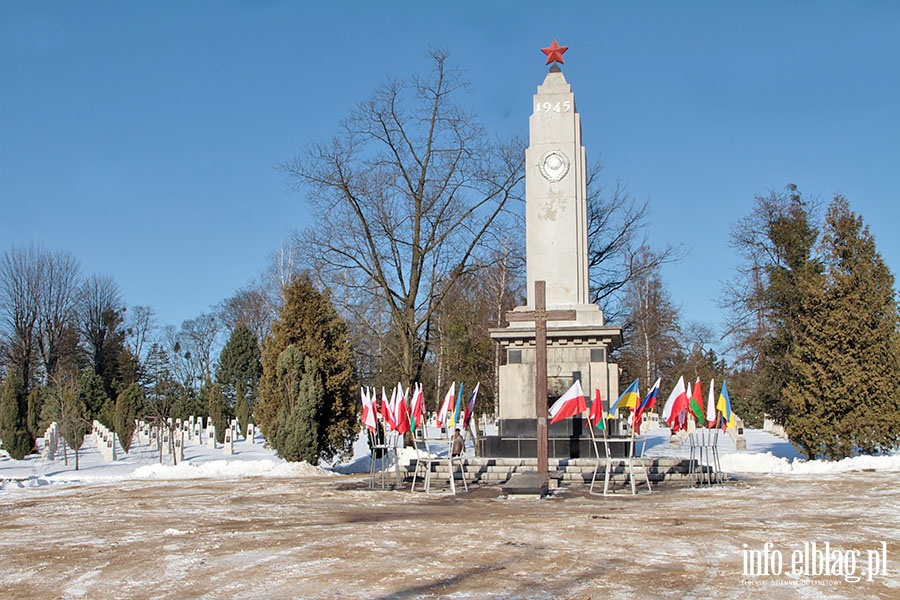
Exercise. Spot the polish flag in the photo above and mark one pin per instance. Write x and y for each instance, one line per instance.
(676, 403)
(386, 410)
(417, 407)
(569, 404)
(445, 405)
(401, 413)
(368, 411)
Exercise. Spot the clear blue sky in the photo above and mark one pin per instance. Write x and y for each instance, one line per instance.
(144, 136)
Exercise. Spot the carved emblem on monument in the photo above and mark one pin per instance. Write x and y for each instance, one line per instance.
(554, 165)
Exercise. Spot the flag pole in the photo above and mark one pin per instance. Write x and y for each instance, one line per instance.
(631, 454)
(471, 431)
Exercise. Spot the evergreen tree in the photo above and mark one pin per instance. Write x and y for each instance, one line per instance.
(211, 394)
(13, 415)
(64, 404)
(767, 300)
(309, 321)
(96, 402)
(187, 403)
(160, 388)
(300, 382)
(239, 370)
(847, 352)
(33, 417)
(128, 406)
(72, 421)
(242, 410)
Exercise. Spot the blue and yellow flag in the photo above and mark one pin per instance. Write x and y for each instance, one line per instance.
(629, 399)
(724, 407)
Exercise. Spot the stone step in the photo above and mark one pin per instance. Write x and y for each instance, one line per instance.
(496, 478)
(576, 471)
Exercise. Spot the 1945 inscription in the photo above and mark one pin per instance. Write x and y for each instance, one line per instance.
(551, 107)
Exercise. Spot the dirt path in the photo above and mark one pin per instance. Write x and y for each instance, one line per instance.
(331, 537)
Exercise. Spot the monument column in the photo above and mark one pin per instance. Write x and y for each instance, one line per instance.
(556, 207)
(556, 253)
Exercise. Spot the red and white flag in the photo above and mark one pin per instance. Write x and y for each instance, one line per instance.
(675, 404)
(569, 404)
(446, 404)
(368, 410)
(401, 411)
(417, 407)
(387, 412)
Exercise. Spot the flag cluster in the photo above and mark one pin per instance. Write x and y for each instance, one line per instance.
(403, 413)
(683, 403)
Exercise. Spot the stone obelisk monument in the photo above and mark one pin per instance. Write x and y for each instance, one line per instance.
(556, 253)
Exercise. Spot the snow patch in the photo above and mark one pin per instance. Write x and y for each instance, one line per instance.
(755, 462)
(229, 469)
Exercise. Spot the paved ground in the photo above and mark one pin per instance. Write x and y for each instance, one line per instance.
(331, 537)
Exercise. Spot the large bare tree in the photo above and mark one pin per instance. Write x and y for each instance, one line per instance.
(618, 239)
(252, 306)
(57, 312)
(101, 307)
(21, 270)
(402, 199)
(651, 325)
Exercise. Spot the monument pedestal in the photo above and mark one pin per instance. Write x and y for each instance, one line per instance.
(574, 351)
(567, 439)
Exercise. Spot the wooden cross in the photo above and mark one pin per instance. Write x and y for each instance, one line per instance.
(540, 315)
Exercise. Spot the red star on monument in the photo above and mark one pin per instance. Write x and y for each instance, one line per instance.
(554, 53)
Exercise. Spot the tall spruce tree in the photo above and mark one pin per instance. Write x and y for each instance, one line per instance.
(309, 322)
(214, 400)
(301, 385)
(97, 403)
(13, 411)
(765, 301)
(73, 417)
(239, 370)
(128, 405)
(846, 358)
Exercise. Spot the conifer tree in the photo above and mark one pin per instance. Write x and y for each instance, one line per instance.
(241, 409)
(300, 383)
(64, 404)
(309, 322)
(128, 405)
(97, 403)
(73, 418)
(13, 406)
(211, 394)
(847, 352)
(765, 300)
(239, 371)
(33, 417)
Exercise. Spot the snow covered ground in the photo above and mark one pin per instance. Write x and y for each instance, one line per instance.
(765, 454)
(250, 525)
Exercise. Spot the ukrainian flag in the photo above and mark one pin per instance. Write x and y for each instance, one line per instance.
(724, 407)
(629, 399)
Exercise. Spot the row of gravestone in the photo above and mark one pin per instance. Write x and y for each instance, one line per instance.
(182, 432)
(192, 430)
(51, 442)
(105, 440)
